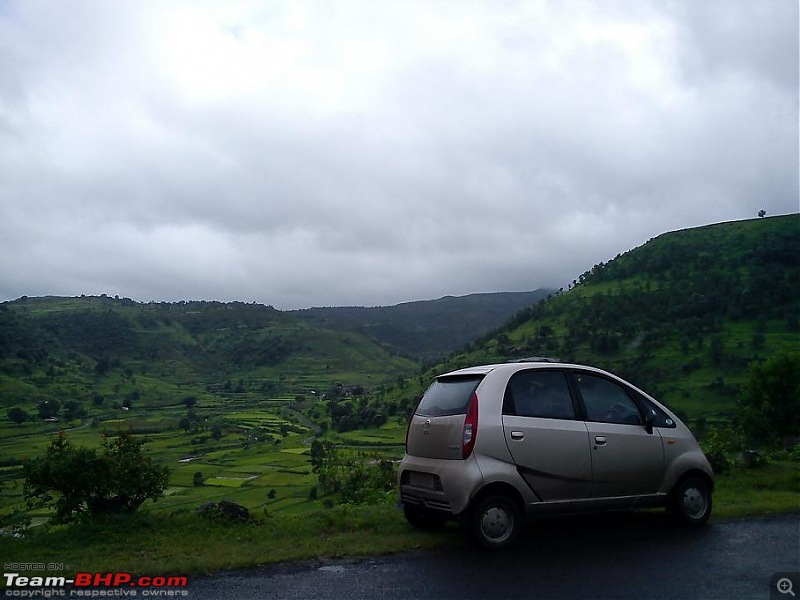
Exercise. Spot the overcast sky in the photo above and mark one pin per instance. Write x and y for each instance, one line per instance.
(372, 152)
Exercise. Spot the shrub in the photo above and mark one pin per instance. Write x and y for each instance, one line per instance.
(17, 415)
(77, 481)
(359, 478)
(718, 445)
(770, 406)
(225, 511)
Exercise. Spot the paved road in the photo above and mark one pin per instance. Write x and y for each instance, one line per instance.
(640, 555)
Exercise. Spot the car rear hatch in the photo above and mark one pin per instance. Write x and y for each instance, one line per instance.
(444, 424)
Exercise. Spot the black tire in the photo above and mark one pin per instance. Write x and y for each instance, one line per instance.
(496, 522)
(421, 518)
(691, 501)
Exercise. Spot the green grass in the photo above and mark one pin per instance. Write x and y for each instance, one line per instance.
(772, 488)
(234, 482)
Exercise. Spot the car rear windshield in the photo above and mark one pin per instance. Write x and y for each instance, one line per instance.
(448, 396)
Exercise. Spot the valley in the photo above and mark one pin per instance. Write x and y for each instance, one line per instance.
(231, 396)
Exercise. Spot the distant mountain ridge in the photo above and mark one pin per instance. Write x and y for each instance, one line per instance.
(427, 329)
(58, 347)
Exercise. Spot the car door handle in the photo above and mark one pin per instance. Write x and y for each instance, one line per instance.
(517, 435)
(600, 440)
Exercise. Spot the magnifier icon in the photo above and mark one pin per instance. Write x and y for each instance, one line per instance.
(784, 586)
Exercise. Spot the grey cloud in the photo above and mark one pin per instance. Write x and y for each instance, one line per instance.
(380, 153)
(753, 40)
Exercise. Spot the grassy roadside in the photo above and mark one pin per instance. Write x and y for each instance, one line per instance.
(184, 543)
(772, 488)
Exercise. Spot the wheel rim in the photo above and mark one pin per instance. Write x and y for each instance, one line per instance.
(695, 503)
(497, 523)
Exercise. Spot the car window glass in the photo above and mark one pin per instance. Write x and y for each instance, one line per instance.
(607, 401)
(539, 394)
(448, 396)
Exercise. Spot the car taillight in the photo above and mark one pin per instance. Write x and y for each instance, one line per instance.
(470, 427)
(411, 419)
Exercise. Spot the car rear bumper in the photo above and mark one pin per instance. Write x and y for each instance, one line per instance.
(442, 485)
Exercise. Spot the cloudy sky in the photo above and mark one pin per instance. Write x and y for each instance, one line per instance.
(301, 153)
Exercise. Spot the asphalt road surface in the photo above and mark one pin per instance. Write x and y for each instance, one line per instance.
(634, 555)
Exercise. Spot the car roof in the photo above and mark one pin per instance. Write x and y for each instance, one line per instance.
(514, 366)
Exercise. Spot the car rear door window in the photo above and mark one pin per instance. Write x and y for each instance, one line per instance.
(539, 393)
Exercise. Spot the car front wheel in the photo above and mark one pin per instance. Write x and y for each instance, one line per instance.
(691, 501)
(496, 522)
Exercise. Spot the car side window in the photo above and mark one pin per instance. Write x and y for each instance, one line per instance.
(539, 394)
(606, 401)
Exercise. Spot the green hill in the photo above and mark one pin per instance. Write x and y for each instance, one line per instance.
(76, 348)
(682, 316)
(428, 329)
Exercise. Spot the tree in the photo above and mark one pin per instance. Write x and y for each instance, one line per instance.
(48, 409)
(185, 423)
(216, 431)
(102, 366)
(716, 349)
(17, 415)
(770, 406)
(73, 410)
(197, 479)
(78, 481)
(131, 397)
(320, 451)
(762, 213)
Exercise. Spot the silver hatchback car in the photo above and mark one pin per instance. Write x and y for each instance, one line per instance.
(492, 444)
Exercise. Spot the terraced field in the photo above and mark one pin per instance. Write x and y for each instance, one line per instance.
(260, 460)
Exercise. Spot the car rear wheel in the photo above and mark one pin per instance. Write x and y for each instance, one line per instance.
(691, 501)
(496, 522)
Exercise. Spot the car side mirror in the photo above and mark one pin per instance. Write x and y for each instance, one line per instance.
(648, 421)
